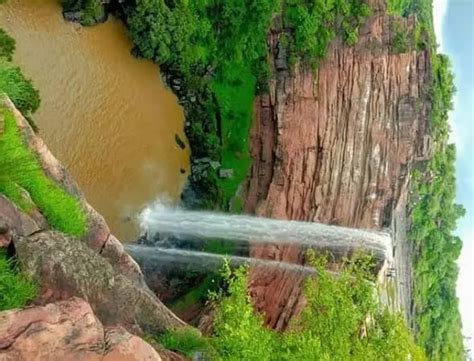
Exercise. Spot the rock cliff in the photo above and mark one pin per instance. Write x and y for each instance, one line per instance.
(66, 330)
(335, 145)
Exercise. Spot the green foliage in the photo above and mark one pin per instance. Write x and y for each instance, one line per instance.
(342, 321)
(217, 50)
(18, 88)
(398, 7)
(434, 218)
(20, 168)
(187, 341)
(403, 40)
(92, 11)
(7, 45)
(314, 24)
(15, 290)
(424, 36)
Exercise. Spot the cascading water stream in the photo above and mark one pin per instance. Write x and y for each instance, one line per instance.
(187, 260)
(163, 220)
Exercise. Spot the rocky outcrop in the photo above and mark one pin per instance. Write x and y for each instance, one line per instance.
(65, 267)
(95, 268)
(98, 235)
(66, 330)
(335, 146)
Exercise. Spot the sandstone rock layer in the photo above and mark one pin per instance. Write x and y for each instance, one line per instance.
(66, 331)
(335, 146)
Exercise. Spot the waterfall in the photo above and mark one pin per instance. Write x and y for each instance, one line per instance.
(149, 257)
(163, 220)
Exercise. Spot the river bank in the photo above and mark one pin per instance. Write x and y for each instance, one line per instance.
(105, 114)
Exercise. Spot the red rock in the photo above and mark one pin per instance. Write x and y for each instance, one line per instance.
(66, 330)
(335, 146)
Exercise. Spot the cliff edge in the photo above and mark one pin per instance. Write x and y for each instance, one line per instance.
(335, 145)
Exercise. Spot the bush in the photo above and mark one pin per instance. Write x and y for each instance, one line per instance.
(434, 219)
(15, 290)
(7, 45)
(187, 341)
(20, 168)
(18, 88)
(342, 321)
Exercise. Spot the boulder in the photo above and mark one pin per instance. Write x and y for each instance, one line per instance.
(65, 267)
(67, 330)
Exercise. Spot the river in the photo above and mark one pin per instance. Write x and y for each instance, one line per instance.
(106, 115)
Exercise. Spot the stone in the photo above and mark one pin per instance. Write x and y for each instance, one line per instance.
(226, 173)
(179, 141)
(67, 330)
(5, 235)
(214, 164)
(65, 267)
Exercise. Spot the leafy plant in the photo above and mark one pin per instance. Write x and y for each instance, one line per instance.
(342, 321)
(7, 45)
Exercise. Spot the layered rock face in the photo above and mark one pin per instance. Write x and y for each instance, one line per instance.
(67, 330)
(335, 146)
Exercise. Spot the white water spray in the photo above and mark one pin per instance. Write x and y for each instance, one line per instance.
(160, 219)
(182, 259)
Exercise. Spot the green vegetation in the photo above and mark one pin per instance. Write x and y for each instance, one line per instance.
(187, 341)
(434, 211)
(19, 167)
(19, 89)
(91, 11)
(342, 321)
(313, 25)
(216, 54)
(12, 82)
(216, 51)
(15, 290)
(423, 36)
(20, 171)
(434, 219)
(7, 45)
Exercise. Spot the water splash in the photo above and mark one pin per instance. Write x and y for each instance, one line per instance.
(164, 220)
(186, 260)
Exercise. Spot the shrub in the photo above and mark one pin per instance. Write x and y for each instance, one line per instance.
(15, 290)
(342, 321)
(19, 167)
(7, 45)
(187, 341)
(18, 88)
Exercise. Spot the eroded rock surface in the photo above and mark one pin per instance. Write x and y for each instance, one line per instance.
(65, 267)
(67, 330)
(335, 146)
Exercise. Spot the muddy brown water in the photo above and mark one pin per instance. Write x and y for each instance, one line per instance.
(106, 115)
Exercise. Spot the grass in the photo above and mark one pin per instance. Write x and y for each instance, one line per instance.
(187, 341)
(197, 294)
(20, 168)
(15, 290)
(332, 326)
(234, 90)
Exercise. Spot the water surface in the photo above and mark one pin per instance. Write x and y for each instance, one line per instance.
(106, 115)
